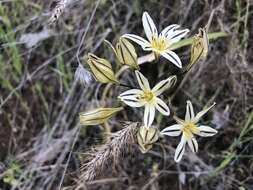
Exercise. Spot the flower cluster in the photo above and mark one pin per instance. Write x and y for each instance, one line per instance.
(150, 97)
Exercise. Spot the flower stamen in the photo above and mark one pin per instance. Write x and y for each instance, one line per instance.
(159, 44)
(147, 96)
(189, 129)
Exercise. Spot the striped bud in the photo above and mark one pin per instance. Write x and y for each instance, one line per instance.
(98, 116)
(199, 47)
(101, 69)
(126, 53)
(146, 137)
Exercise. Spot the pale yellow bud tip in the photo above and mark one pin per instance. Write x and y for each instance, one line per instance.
(98, 116)
(101, 69)
(146, 137)
(199, 47)
(126, 54)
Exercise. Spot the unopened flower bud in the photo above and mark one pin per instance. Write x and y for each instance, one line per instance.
(97, 116)
(126, 53)
(101, 69)
(146, 137)
(199, 47)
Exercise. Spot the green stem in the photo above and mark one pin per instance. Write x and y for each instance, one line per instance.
(188, 41)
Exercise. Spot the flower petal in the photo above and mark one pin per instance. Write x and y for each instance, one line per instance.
(168, 30)
(206, 131)
(143, 81)
(149, 26)
(132, 102)
(189, 115)
(171, 56)
(193, 144)
(163, 85)
(175, 36)
(203, 112)
(139, 40)
(131, 98)
(174, 130)
(136, 92)
(149, 115)
(180, 149)
(162, 107)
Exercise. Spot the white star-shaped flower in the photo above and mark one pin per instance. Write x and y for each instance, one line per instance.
(148, 97)
(159, 43)
(188, 128)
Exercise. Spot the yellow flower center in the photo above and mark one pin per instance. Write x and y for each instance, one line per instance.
(159, 44)
(148, 96)
(189, 129)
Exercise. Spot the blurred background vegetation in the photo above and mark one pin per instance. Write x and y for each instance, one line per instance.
(40, 100)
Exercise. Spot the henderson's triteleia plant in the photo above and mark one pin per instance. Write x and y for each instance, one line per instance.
(145, 133)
